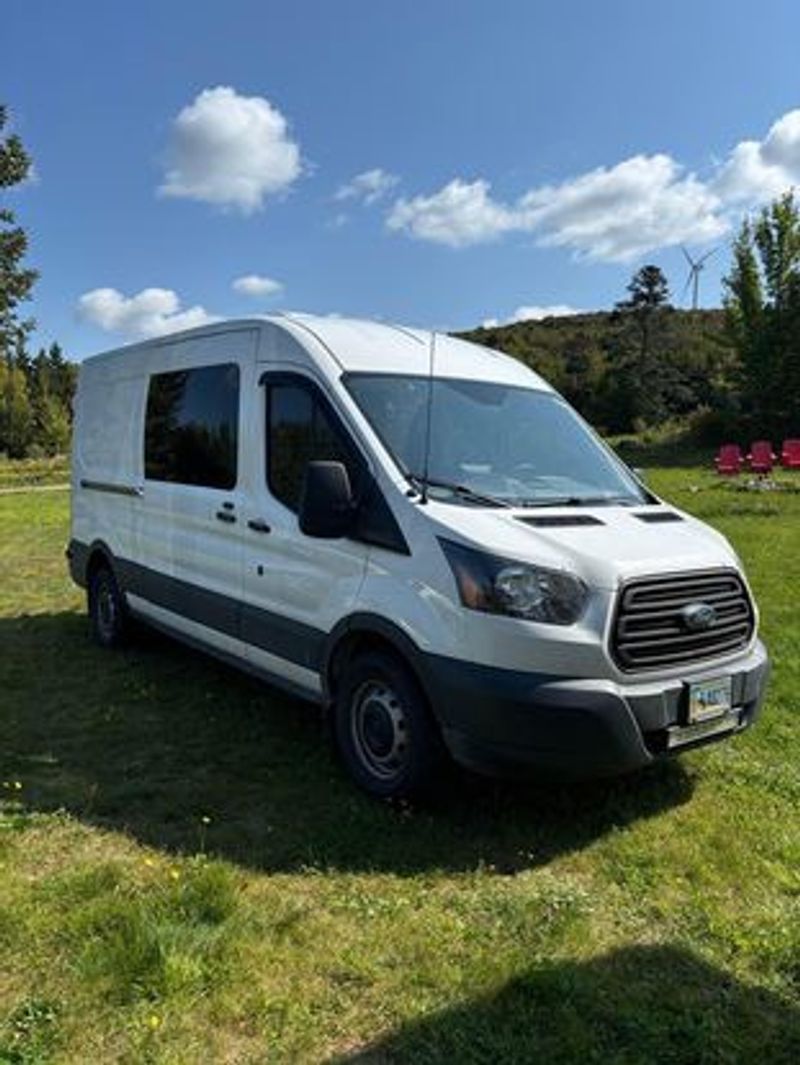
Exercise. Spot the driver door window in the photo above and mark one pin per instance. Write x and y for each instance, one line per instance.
(300, 430)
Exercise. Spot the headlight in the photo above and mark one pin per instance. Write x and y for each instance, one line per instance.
(499, 586)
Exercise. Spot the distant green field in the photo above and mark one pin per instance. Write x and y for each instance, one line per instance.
(34, 472)
(187, 877)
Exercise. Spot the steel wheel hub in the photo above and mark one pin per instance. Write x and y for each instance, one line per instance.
(379, 729)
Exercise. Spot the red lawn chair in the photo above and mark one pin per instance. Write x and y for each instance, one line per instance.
(790, 454)
(729, 459)
(761, 457)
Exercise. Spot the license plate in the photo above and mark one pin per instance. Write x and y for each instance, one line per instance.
(709, 699)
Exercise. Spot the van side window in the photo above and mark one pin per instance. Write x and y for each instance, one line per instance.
(300, 431)
(192, 426)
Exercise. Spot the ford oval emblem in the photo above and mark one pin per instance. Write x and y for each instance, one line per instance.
(697, 617)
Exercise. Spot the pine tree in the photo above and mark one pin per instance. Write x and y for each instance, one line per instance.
(644, 377)
(16, 281)
(648, 291)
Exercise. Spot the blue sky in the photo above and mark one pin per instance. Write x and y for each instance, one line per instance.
(518, 154)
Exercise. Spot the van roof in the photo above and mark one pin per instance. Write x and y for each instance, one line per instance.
(360, 346)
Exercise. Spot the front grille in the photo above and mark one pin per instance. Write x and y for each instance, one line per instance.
(649, 631)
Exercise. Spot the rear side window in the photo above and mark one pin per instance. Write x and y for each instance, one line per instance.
(191, 426)
(301, 430)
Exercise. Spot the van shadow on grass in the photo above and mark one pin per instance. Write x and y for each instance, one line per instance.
(152, 739)
(653, 1005)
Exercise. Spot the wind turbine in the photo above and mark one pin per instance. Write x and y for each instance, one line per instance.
(695, 266)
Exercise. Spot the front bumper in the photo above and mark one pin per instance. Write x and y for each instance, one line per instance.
(507, 722)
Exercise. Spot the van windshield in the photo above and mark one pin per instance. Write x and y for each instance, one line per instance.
(491, 444)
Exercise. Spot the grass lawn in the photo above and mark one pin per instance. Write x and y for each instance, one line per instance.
(186, 876)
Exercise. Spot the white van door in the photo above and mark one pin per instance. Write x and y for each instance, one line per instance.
(295, 587)
(188, 574)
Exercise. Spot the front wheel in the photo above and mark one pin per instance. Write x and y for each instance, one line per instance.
(384, 730)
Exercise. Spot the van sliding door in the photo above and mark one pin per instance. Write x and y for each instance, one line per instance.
(189, 530)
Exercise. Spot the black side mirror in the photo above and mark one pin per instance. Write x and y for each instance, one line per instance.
(327, 508)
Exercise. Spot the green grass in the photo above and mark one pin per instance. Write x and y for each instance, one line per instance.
(186, 876)
(32, 472)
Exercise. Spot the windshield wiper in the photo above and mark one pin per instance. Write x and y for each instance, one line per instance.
(462, 490)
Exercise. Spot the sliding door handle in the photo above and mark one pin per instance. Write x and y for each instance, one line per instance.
(258, 525)
(226, 516)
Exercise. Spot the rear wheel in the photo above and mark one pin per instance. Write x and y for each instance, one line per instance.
(107, 610)
(384, 729)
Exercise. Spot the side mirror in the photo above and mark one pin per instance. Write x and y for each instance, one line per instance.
(327, 507)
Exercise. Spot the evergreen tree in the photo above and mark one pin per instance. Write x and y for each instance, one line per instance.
(763, 314)
(16, 412)
(35, 394)
(644, 378)
(51, 385)
(16, 282)
(53, 426)
(63, 377)
(648, 291)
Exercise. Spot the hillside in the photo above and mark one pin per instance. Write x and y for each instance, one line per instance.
(595, 361)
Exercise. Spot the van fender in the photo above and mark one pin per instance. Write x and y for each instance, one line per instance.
(364, 626)
(82, 557)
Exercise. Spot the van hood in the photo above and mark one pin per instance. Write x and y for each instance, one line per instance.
(603, 545)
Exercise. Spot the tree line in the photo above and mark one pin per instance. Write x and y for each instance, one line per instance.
(732, 372)
(36, 403)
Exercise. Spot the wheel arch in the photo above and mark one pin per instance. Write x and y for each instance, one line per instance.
(98, 553)
(83, 560)
(364, 631)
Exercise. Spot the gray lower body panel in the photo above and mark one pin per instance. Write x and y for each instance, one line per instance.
(501, 721)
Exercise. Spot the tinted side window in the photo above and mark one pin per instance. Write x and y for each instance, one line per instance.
(300, 431)
(191, 426)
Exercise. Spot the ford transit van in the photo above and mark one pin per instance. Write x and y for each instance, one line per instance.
(422, 536)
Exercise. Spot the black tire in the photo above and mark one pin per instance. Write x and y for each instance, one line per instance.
(108, 612)
(384, 730)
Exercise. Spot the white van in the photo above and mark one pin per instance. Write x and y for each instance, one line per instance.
(424, 538)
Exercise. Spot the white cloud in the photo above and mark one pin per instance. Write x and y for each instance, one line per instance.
(367, 187)
(230, 150)
(761, 170)
(534, 313)
(625, 211)
(255, 285)
(151, 312)
(614, 214)
(618, 213)
(459, 214)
